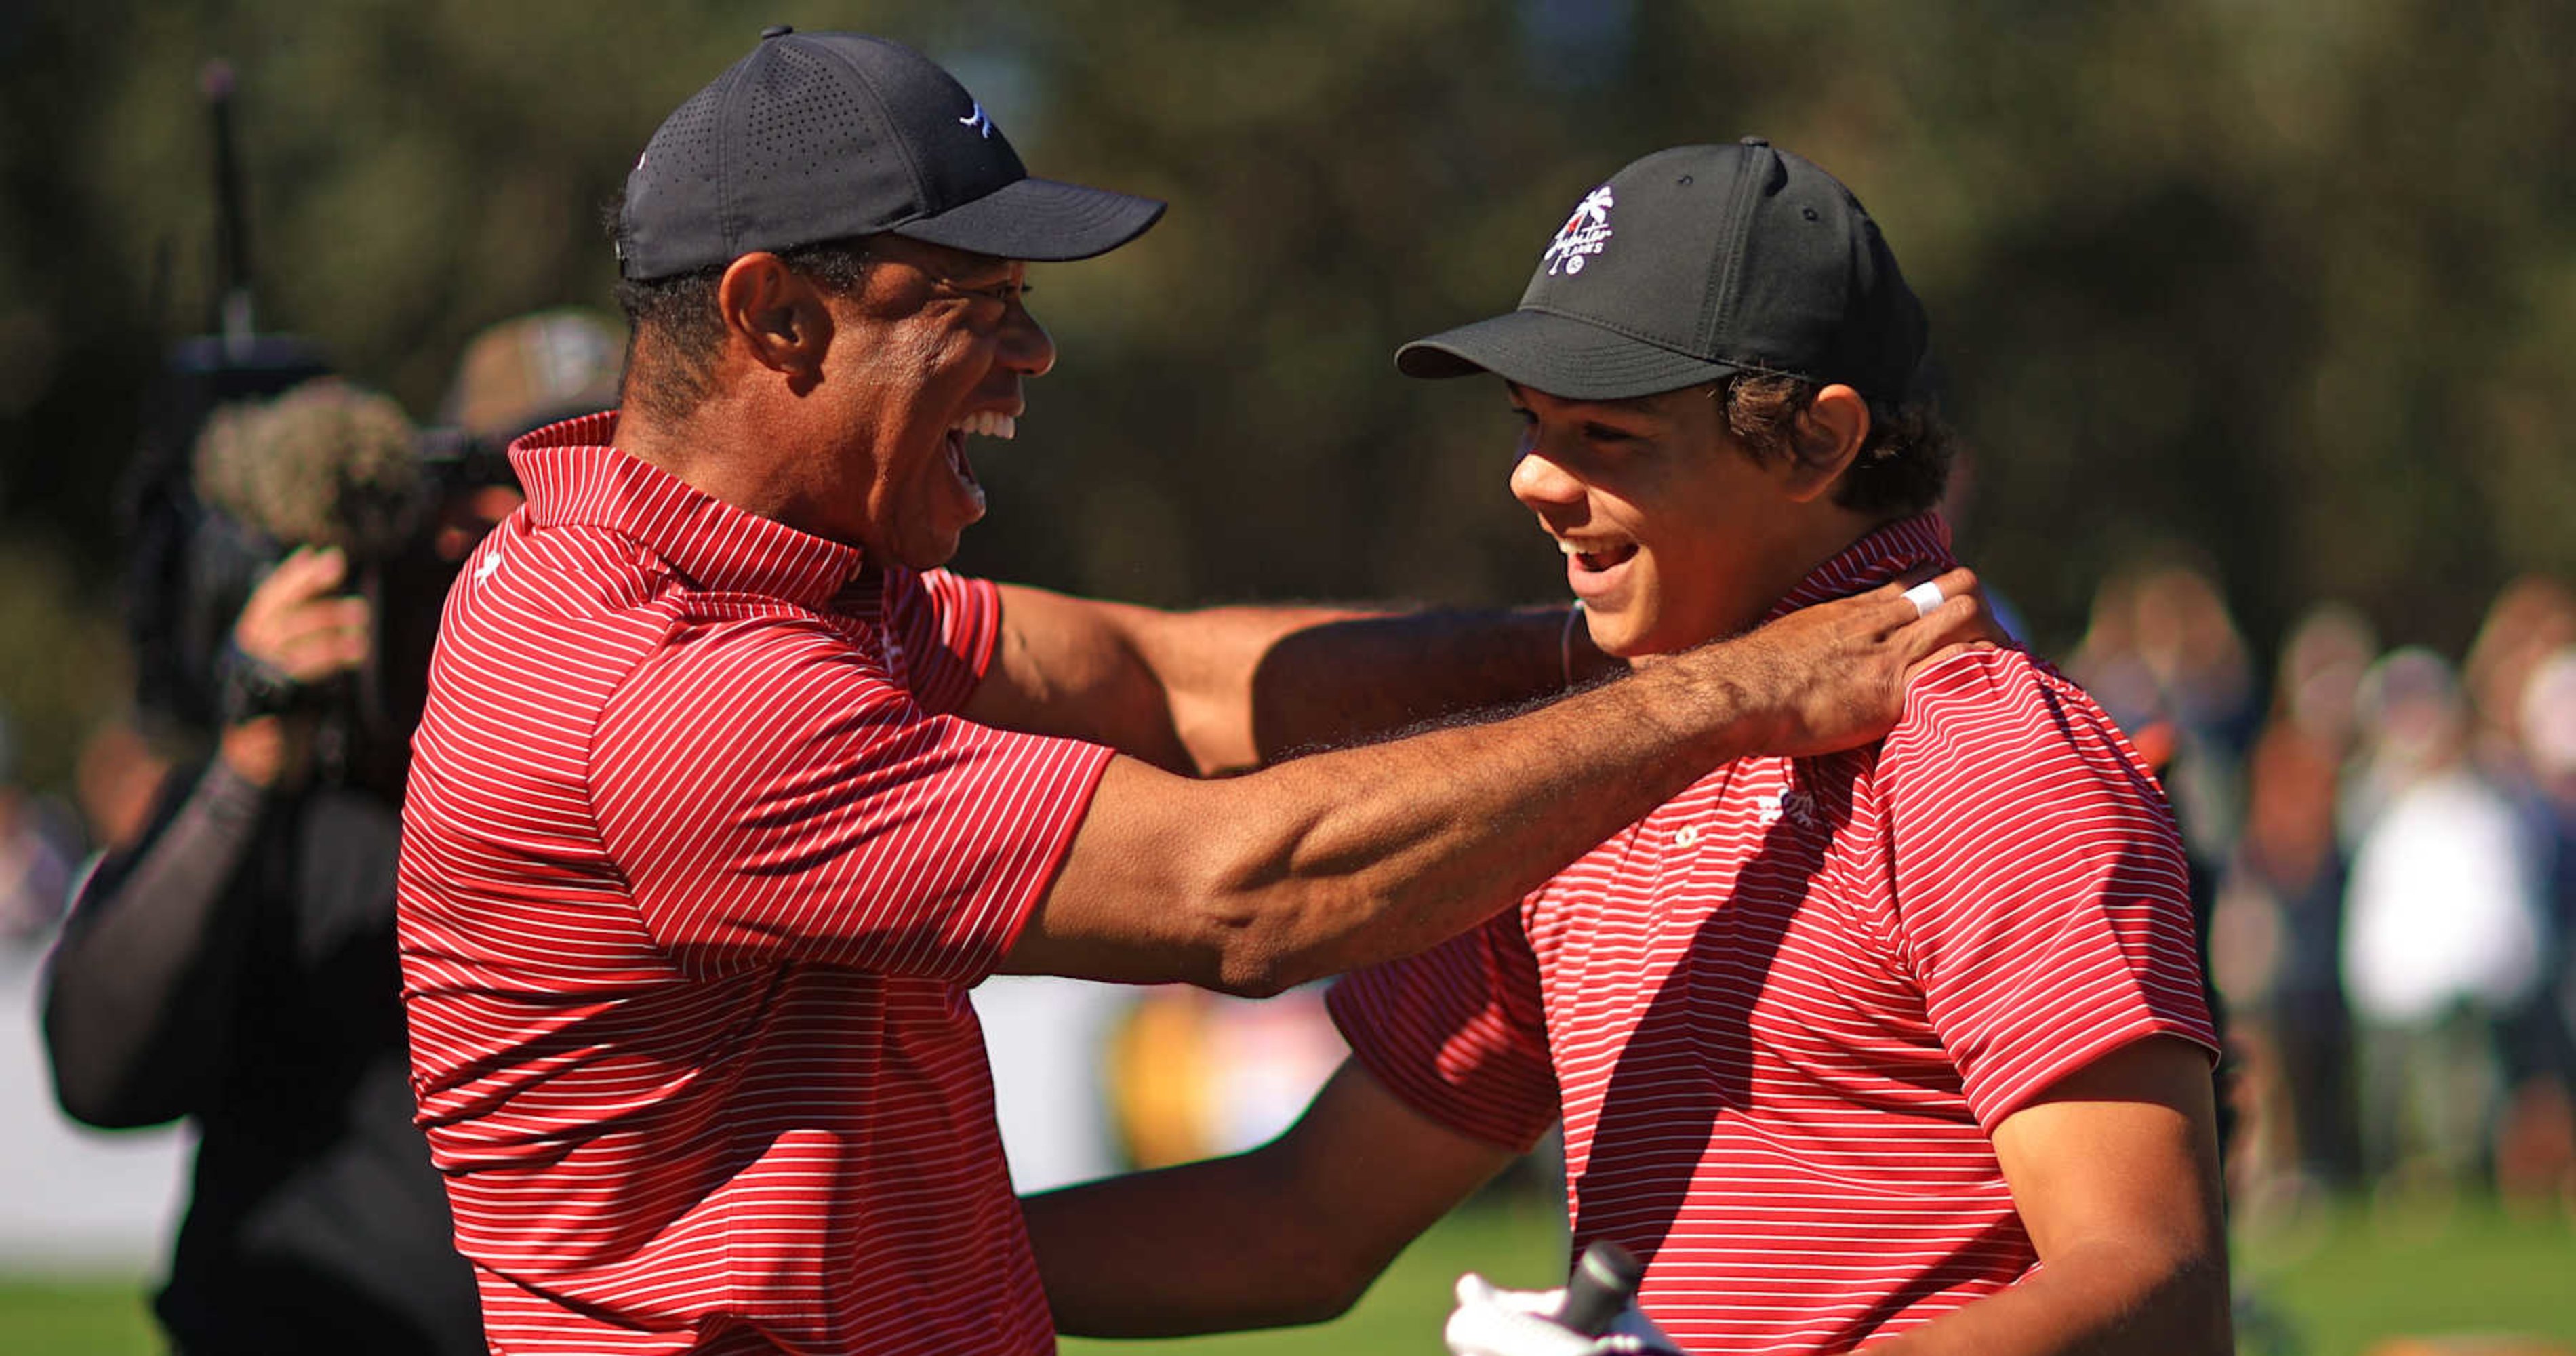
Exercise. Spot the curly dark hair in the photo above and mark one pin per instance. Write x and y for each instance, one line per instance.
(674, 331)
(1903, 465)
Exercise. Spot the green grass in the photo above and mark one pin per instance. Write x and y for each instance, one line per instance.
(2344, 1279)
(2349, 1278)
(77, 1318)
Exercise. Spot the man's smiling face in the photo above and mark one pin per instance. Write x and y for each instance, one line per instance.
(930, 350)
(1668, 527)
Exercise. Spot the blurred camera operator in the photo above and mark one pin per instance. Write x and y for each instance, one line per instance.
(237, 965)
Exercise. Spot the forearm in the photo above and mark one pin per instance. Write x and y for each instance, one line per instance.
(1204, 1247)
(1227, 688)
(1330, 862)
(1208, 670)
(1340, 681)
(1291, 1232)
(1401, 846)
(2105, 1299)
(138, 987)
(1322, 864)
(1164, 688)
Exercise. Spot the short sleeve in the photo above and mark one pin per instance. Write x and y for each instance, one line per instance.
(772, 795)
(946, 625)
(1459, 1033)
(2042, 898)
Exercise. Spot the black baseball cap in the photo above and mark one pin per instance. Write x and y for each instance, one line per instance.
(1697, 263)
(825, 136)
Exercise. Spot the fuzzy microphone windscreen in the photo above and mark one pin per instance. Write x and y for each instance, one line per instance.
(326, 464)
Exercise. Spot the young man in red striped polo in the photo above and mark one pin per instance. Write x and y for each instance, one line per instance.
(1902, 1045)
(727, 792)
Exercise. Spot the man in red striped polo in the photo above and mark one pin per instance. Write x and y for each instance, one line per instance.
(726, 792)
(1902, 1045)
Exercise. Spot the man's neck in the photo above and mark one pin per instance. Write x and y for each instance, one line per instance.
(700, 450)
(647, 439)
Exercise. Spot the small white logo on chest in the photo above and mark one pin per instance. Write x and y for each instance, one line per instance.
(491, 564)
(1796, 806)
(892, 648)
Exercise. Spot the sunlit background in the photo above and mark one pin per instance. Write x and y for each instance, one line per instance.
(2245, 308)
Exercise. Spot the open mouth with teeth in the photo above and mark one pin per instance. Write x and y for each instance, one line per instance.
(982, 424)
(1602, 556)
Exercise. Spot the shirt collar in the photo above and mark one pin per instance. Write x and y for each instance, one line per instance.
(574, 476)
(1885, 554)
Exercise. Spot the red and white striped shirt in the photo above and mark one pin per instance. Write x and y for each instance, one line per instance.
(1781, 1014)
(697, 867)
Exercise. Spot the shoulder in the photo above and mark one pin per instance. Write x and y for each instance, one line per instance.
(752, 669)
(949, 626)
(782, 703)
(2038, 888)
(1999, 754)
(1984, 711)
(959, 611)
(541, 628)
(941, 588)
(571, 592)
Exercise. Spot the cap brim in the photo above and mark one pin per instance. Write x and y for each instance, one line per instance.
(1039, 220)
(1557, 354)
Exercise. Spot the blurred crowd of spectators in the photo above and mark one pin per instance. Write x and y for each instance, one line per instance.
(2386, 853)
(45, 835)
(38, 841)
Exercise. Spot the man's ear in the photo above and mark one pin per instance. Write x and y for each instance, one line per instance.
(1828, 436)
(775, 313)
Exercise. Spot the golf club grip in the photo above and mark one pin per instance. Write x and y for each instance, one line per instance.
(1603, 1283)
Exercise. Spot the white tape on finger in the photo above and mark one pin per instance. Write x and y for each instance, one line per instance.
(1925, 596)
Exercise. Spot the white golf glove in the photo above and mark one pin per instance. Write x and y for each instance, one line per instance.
(1491, 1321)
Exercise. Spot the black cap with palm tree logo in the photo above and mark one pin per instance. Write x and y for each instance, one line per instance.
(1697, 263)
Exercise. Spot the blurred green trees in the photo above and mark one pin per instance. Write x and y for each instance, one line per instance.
(2290, 285)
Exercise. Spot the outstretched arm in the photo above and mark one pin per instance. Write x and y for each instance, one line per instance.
(1323, 864)
(1292, 1232)
(2115, 1172)
(1229, 688)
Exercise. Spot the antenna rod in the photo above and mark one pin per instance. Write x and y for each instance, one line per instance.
(234, 318)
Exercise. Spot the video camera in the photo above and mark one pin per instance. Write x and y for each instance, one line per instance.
(320, 463)
(238, 465)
